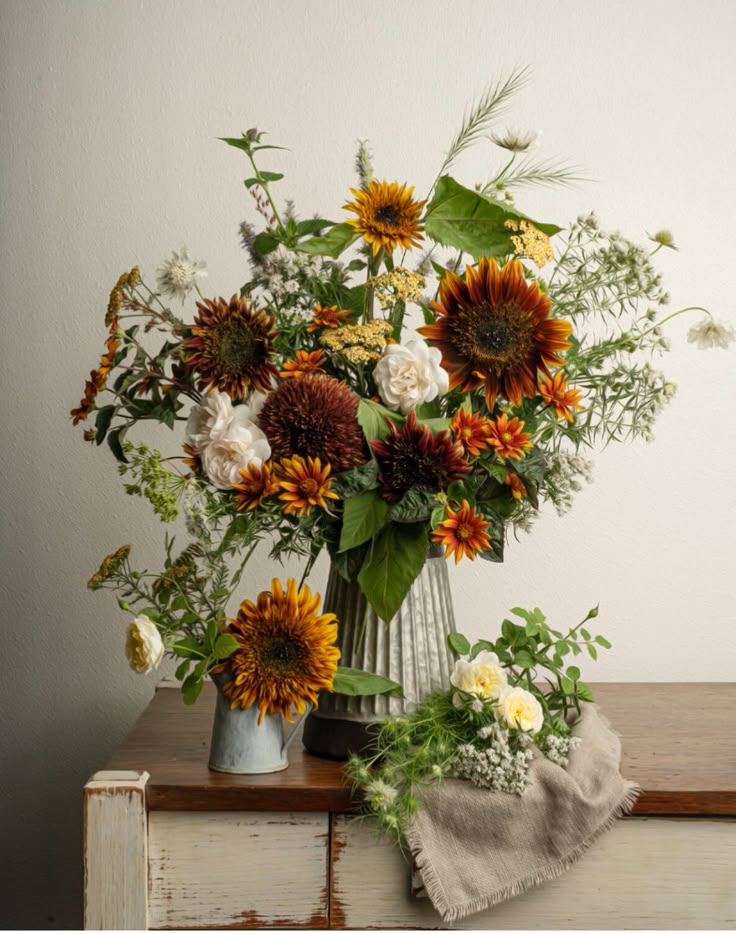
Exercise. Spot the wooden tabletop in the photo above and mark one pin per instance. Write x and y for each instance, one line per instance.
(679, 745)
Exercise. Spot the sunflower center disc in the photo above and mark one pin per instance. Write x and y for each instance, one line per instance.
(308, 487)
(388, 215)
(237, 349)
(281, 651)
(496, 337)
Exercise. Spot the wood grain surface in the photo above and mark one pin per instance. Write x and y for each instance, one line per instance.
(679, 745)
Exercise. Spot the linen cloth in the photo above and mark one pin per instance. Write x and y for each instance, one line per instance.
(474, 848)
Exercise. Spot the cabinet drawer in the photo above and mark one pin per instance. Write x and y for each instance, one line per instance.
(642, 874)
(238, 869)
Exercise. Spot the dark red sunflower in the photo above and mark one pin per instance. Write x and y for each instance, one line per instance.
(231, 347)
(315, 416)
(494, 329)
(412, 458)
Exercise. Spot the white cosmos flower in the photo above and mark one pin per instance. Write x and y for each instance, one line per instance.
(177, 275)
(409, 374)
(519, 709)
(710, 333)
(516, 140)
(483, 677)
(229, 453)
(144, 646)
(214, 417)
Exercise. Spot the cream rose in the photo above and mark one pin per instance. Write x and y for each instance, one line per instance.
(144, 646)
(483, 677)
(520, 710)
(409, 374)
(228, 454)
(213, 418)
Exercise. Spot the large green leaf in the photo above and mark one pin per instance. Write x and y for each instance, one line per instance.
(372, 418)
(357, 683)
(356, 480)
(391, 566)
(363, 516)
(337, 239)
(471, 222)
(414, 506)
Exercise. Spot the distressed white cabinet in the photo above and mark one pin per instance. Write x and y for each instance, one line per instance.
(169, 844)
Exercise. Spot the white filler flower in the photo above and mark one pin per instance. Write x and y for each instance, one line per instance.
(177, 276)
(709, 333)
(144, 646)
(521, 710)
(409, 374)
(483, 677)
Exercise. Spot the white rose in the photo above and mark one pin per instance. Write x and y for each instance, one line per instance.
(214, 418)
(144, 646)
(225, 456)
(409, 374)
(521, 710)
(483, 677)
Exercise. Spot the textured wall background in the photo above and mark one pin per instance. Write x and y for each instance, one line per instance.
(110, 109)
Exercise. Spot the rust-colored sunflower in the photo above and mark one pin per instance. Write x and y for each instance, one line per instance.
(556, 393)
(494, 329)
(471, 430)
(508, 439)
(315, 416)
(304, 363)
(412, 458)
(463, 533)
(514, 483)
(285, 653)
(304, 484)
(329, 317)
(231, 347)
(258, 483)
(387, 215)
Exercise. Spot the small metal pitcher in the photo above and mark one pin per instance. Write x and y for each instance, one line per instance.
(242, 746)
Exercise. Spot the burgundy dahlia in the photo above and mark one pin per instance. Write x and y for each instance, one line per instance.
(415, 459)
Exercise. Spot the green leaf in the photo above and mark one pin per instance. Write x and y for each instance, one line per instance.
(534, 466)
(333, 243)
(458, 643)
(356, 480)
(482, 645)
(414, 506)
(357, 683)
(102, 423)
(563, 648)
(435, 425)
(593, 652)
(513, 634)
(265, 243)
(270, 176)
(567, 685)
(312, 226)
(187, 648)
(348, 563)
(573, 672)
(151, 613)
(372, 419)
(428, 410)
(191, 688)
(225, 645)
(524, 659)
(584, 692)
(471, 222)
(392, 564)
(115, 443)
(182, 669)
(602, 641)
(585, 634)
(363, 517)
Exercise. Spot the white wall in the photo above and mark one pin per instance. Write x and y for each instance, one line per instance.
(110, 111)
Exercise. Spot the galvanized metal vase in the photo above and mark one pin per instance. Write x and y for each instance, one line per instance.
(243, 746)
(412, 649)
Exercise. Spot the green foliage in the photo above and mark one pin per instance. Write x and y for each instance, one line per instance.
(356, 683)
(394, 559)
(372, 417)
(364, 515)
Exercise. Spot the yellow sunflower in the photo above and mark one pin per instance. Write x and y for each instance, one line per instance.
(285, 653)
(304, 484)
(387, 215)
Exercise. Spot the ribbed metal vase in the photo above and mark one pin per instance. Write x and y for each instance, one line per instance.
(411, 649)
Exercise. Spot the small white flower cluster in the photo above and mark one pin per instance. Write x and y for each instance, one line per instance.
(498, 767)
(287, 281)
(558, 748)
(566, 478)
(177, 276)
(654, 394)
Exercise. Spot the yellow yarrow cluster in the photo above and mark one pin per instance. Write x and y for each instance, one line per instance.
(398, 285)
(531, 242)
(128, 280)
(358, 343)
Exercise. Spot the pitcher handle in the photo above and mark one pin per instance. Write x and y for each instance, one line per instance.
(298, 723)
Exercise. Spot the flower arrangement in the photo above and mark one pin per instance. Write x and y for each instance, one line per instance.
(485, 728)
(309, 410)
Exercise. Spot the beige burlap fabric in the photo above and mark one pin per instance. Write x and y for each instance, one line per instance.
(474, 848)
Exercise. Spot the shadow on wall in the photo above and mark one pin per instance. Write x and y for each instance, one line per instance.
(43, 777)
